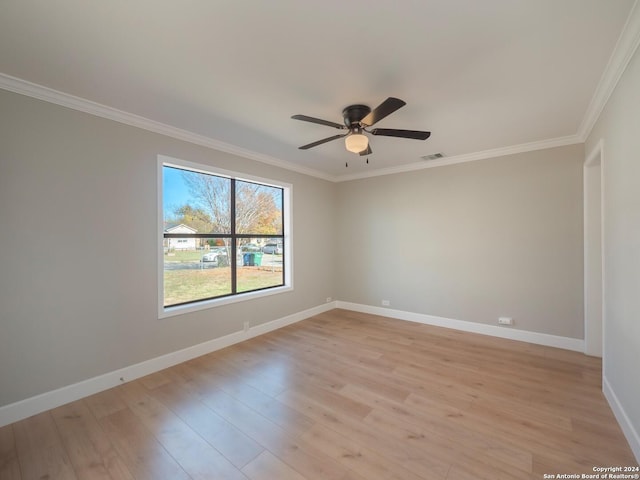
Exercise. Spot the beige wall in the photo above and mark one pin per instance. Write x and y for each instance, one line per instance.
(78, 248)
(472, 241)
(619, 128)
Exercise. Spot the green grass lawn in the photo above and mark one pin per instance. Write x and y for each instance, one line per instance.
(188, 285)
(185, 256)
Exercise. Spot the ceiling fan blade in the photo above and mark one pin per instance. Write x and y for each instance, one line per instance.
(319, 121)
(320, 142)
(392, 132)
(368, 151)
(387, 107)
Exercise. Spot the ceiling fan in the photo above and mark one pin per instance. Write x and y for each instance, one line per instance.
(357, 118)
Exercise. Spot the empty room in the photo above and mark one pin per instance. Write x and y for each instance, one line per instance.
(319, 240)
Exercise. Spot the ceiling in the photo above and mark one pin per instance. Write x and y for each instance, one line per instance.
(480, 75)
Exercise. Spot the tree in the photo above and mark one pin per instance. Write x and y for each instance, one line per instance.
(213, 195)
(256, 210)
(194, 217)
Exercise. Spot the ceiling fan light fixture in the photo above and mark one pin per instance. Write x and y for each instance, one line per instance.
(356, 142)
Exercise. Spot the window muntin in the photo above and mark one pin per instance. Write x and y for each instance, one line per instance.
(215, 227)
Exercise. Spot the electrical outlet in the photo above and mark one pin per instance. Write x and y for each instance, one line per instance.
(329, 299)
(246, 327)
(505, 321)
(386, 303)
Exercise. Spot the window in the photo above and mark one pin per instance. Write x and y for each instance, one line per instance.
(225, 236)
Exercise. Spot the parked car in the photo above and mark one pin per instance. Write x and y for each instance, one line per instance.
(272, 248)
(218, 255)
(250, 247)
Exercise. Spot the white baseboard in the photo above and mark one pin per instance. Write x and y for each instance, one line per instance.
(623, 419)
(48, 400)
(567, 343)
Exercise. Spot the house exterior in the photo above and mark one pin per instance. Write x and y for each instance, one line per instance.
(180, 243)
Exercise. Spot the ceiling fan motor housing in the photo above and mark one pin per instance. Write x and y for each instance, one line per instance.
(353, 114)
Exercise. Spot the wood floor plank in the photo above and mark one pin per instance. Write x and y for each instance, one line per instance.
(257, 405)
(233, 383)
(265, 376)
(144, 456)
(466, 426)
(285, 417)
(105, 403)
(246, 419)
(310, 461)
(472, 451)
(237, 447)
(303, 457)
(268, 467)
(40, 450)
(196, 457)
(421, 463)
(156, 379)
(306, 458)
(9, 465)
(357, 457)
(335, 373)
(90, 451)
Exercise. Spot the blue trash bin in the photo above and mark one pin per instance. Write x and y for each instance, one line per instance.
(248, 260)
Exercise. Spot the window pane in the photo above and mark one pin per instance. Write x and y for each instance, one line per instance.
(260, 263)
(200, 201)
(258, 209)
(196, 269)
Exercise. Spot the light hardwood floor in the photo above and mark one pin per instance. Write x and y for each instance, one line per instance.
(343, 396)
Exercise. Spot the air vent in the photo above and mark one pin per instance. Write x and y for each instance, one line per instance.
(433, 156)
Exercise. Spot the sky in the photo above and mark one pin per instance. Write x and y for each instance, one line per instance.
(175, 190)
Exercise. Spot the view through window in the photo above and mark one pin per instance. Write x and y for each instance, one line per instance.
(222, 236)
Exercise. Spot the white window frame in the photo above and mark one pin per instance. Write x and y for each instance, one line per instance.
(287, 192)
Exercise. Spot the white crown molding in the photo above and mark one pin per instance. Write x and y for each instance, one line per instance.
(467, 157)
(23, 87)
(624, 50)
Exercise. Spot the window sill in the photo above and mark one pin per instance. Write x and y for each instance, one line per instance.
(218, 302)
